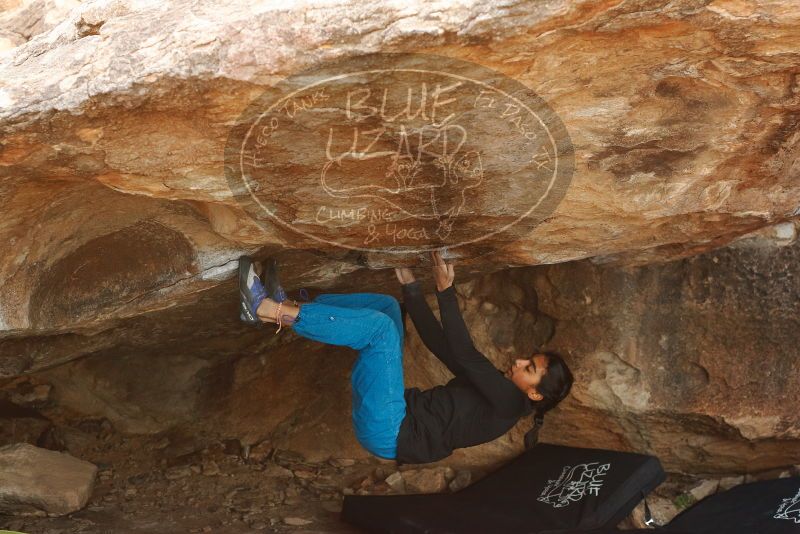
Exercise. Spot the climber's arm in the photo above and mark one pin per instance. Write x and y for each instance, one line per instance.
(503, 395)
(428, 327)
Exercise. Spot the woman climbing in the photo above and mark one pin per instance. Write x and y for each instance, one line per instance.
(480, 404)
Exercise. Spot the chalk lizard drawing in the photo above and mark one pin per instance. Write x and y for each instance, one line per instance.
(423, 188)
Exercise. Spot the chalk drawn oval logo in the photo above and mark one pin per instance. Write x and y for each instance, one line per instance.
(400, 153)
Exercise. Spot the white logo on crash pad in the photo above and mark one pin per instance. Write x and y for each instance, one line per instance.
(574, 484)
(790, 509)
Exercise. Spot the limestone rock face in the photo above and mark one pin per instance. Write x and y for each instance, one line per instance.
(678, 120)
(139, 158)
(694, 360)
(21, 20)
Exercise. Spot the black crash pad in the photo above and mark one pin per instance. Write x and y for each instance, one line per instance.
(547, 489)
(766, 507)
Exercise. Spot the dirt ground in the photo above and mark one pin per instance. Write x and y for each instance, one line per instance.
(179, 484)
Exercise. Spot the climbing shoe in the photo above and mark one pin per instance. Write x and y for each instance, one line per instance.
(244, 317)
(271, 283)
(251, 290)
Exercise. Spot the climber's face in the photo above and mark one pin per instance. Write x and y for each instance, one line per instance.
(526, 373)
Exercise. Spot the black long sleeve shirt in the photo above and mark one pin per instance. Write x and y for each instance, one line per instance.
(478, 405)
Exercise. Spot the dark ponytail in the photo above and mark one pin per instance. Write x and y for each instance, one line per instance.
(554, 387)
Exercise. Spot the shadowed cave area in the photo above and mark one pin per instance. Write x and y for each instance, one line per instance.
(226, 426)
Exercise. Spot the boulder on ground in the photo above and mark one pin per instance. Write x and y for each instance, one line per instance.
(36, 481)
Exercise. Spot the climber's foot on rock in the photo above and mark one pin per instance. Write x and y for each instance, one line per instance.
(272, 284)
(251, 290)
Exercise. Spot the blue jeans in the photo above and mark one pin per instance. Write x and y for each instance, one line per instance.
(371, 324)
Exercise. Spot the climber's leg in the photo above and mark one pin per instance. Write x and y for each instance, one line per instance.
(379, 404)
(376, 301)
